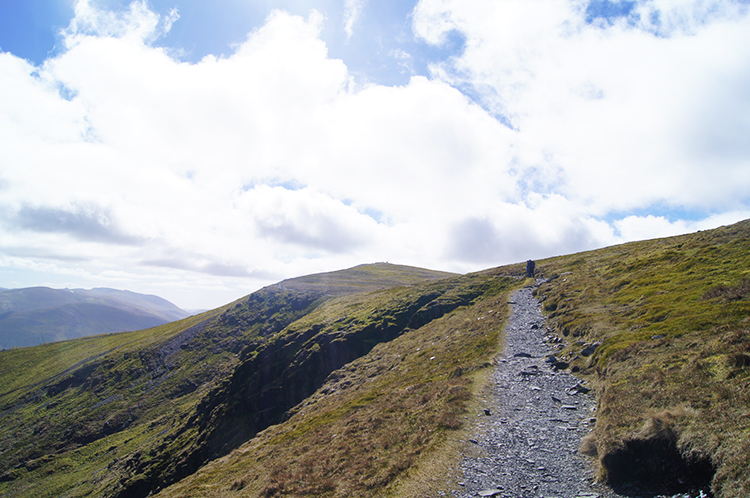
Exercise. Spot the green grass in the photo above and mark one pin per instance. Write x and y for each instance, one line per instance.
(23, 369)
(666, 343)
(115, 414)
(46, 434)
(375, 426)
(671, 318)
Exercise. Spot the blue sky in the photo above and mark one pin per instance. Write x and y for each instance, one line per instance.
(200, 150)
(379, 32)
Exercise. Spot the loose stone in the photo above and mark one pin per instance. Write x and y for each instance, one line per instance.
(490, 492)
(530, 445)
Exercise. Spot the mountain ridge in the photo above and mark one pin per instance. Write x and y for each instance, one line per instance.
(35, 315)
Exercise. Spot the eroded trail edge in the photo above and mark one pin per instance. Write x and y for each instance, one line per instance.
(526, 444)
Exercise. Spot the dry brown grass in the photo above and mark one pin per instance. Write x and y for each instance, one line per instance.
(588, 445)
(385, 425)
(661, 424)
(729, 293)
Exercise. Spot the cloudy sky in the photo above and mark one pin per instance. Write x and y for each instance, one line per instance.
(200, 150)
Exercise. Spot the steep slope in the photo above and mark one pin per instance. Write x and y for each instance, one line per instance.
(37, 315)
(382, 419)
(123, 414)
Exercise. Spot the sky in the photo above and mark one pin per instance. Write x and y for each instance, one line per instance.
(201, 150)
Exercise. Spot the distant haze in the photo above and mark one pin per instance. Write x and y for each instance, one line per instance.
(39, 315)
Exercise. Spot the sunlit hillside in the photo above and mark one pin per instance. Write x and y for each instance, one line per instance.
(359, 382)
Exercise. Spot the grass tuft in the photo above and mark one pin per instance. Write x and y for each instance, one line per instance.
(729, 293)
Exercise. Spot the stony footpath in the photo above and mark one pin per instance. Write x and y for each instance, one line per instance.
(526, 444)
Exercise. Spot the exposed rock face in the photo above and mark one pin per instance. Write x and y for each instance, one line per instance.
(279, 370)
(283, 372)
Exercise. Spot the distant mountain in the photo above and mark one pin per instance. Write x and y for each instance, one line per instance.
(37, 315)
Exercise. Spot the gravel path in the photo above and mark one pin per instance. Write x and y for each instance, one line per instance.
(527, 443)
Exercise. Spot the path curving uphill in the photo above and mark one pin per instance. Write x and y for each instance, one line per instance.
(535, 417)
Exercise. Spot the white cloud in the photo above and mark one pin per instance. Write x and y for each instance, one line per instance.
(628, 117)
(122, 164)
(352, 13)
(137, 22)
(405, 60)
(651, 227)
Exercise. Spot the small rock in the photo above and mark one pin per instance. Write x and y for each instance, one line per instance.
(579, 389)
(490, 492)
(555, 363)
(658, 336)
(560, 365)
(522, 355)
(569, 407)
(487, 412)
(590, 349)
(556, 400)
(473, 441)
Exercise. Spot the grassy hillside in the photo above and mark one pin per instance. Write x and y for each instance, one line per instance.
(660, 327)
(360, 382)
(671, 318)
(122, 414)
(385, 424)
